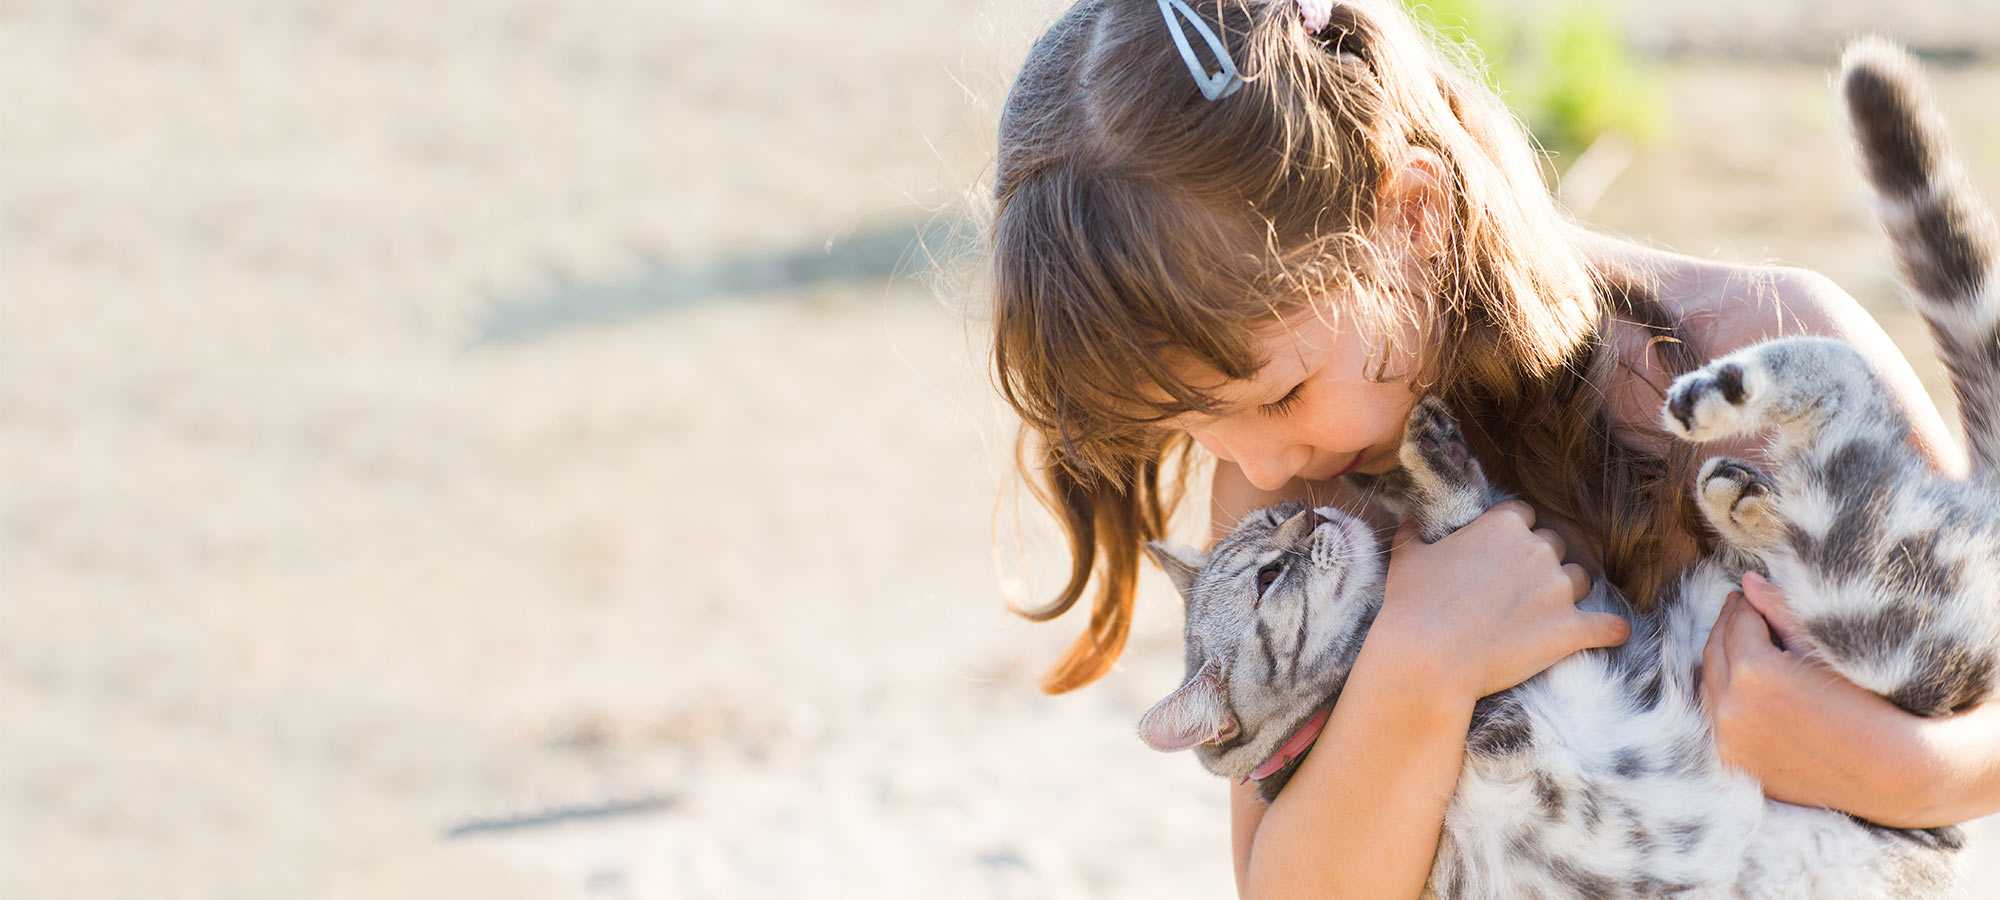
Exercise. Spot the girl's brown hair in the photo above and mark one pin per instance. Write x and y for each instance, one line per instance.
(1139, 228)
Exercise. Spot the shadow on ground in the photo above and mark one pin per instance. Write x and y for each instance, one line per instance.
(881, 252)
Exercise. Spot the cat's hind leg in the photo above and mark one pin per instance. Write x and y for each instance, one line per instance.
(1740, 503)
(1895, 595)
(1812, 390)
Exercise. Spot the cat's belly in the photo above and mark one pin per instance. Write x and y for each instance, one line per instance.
(1689, 613)
(1608, 799)
(1617, 796)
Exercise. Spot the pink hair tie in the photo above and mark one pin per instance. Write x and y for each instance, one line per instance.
(1316, 13)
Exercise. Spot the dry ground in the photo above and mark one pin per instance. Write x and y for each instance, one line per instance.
(310, 591)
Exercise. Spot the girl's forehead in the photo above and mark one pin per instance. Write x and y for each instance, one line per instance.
(1304, 333)
(1285, 348)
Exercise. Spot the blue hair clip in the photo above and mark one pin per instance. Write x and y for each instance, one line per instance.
(1215, 85)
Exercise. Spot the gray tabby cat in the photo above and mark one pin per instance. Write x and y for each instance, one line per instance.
(1598, 778)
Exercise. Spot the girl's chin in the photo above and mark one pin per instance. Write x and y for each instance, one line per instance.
(1376, 461)
(1371, 461)
(1380, 465)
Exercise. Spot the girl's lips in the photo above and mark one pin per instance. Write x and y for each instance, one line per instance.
(1352, 464)
(1366, 457)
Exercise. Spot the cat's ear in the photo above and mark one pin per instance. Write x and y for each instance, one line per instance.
(1180, 563)
(1195, 714)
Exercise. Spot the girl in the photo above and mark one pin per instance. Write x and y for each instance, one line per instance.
(1265, 227)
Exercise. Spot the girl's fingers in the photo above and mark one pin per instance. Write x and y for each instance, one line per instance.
(1745, 634)
(1714, 662)
(1519, 509)
(1579, 581)
(1605, 629)
(1552, 539)
(1770, 603)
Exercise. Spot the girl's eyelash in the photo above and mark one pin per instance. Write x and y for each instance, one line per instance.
(1284, 404)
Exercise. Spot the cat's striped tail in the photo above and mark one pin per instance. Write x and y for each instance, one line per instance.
(1945, 240)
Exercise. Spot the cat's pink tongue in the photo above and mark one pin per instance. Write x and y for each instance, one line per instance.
(1290, 750)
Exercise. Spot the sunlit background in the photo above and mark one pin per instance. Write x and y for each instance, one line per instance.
(541, 448)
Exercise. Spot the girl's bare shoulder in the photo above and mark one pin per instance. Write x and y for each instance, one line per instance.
(1725, 307)
(1729, 306)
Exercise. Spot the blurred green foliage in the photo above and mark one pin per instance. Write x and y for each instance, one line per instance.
(1561, 64)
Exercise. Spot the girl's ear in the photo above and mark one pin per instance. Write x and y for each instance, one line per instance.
(1180, 563)
(1414, 206)
(1195, 714)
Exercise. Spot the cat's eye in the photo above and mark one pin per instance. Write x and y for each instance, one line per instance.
(1268, 575)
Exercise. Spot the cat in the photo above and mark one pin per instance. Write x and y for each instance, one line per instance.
(1598, 778)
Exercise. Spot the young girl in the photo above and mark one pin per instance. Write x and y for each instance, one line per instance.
(1266, 227)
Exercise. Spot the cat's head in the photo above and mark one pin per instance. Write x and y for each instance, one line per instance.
(1275, 617)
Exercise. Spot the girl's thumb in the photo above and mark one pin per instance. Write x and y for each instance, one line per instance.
(1770, 603)
(1608, 629)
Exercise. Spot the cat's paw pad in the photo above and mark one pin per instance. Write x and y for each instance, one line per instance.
(1712, 402)
(1434, 444)
(1734, 482)
(1439, 484)
(1738, 499)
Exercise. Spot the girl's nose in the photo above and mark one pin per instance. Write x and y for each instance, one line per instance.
(1269, 470)
(1267, 461)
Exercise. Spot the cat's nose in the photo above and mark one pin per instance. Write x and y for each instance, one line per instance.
(1297, 528)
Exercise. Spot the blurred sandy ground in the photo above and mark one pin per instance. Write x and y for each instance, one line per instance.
(484, 449)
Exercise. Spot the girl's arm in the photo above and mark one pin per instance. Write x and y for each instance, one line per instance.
(1361, 816)
(1477, 612)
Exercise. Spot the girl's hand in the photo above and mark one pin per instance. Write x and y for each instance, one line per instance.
(1816, 739)
(1772, 709)
(1489, 606)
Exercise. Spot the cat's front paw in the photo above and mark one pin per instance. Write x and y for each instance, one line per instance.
(1434, 446)
(1713, 402)
(1739, 502)
(1444, 486)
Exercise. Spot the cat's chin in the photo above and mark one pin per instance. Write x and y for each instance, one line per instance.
(1296, 744)
(1268, 757)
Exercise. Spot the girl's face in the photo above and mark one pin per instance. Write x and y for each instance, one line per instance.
(1312, 411)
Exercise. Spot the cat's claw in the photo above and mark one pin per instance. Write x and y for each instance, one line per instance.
(1739, 501)
(1432, 442)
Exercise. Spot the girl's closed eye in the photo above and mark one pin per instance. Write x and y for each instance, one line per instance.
(1284, 404)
